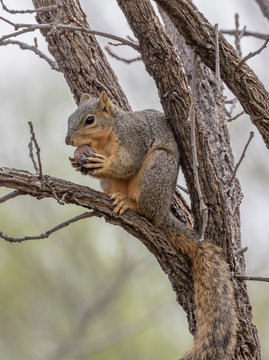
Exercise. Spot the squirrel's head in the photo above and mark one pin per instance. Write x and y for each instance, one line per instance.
(92, 120)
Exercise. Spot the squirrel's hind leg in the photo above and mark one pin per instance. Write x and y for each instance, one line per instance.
(157, 182)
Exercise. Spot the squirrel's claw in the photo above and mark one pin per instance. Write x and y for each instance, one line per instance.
(122, 203)
(117, 197)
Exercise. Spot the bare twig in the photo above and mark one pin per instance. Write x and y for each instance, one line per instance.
(127, 61)
(31, 154)
(34, 48)
(183, 189)
(203, 207)
(240, 251)
(33, 140)
(32, 27)
(236, 116)
(252, 54)
(251, 136)
(254, 278)
(233, 103)
(8, 21)
(244, 32)
(217, 66)
(10, 195)
(134, 40)
(47, 233)
(29, 11)
(237, 36)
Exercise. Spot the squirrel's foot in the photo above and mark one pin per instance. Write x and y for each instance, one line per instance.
(122, 203)
(96, 164)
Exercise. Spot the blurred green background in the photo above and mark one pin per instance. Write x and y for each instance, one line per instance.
(91, 291)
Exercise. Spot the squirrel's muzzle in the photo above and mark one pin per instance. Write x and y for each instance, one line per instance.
(68, 140)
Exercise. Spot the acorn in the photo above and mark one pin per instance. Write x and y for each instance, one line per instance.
(82, 152)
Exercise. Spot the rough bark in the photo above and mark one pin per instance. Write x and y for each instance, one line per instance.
(243, 82)
(78, 55)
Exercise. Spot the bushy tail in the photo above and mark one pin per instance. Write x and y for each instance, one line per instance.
(213, 295)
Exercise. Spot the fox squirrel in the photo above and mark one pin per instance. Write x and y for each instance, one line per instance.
(136, 157)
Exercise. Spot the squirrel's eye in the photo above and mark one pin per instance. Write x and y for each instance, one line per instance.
(89, 120)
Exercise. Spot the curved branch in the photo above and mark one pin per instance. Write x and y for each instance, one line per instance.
(47, 233)
(25, 46)
(175, 265)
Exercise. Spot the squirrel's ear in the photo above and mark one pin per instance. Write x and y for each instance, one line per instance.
(105, 104)
(84, 97)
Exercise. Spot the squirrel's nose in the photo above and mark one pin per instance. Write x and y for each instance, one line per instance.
(68, 140)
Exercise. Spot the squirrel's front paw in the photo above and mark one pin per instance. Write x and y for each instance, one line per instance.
(96, 165)
(78, 167)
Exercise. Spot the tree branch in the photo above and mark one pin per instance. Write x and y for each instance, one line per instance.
(254, 278)
(115, 56)
(29, 11)
(236, 116)
(238, 35)
(33, 140)
(25, 46)
(32, 27)
(171, 261)
(243, 82)
(217, 64)
(192, 117)
(47, 233)
(252, 54)
(240, 251)
(246, 33)
(251, 136)
(11, 195)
